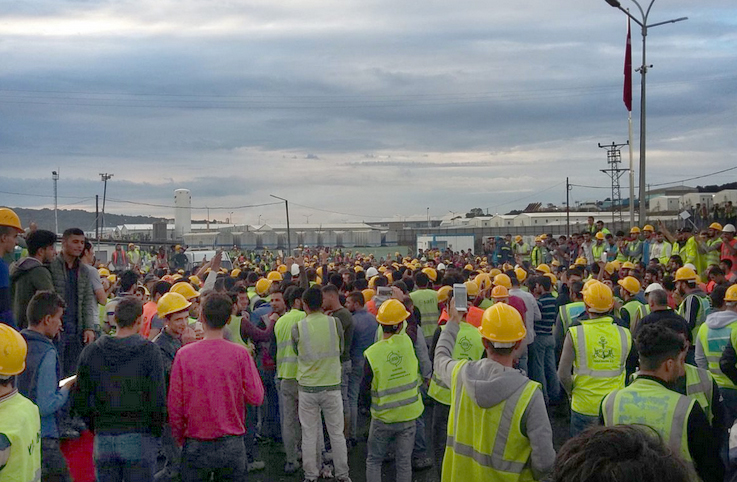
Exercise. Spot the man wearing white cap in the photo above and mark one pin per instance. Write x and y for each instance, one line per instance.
(729, 247)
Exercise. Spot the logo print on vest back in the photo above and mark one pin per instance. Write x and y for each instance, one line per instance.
(394, 359)
(466, 344)
(604, 353)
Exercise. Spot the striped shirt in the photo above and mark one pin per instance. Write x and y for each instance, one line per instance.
(548, 311)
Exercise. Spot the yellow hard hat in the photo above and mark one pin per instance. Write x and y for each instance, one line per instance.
(494, 272)
(282, 268)
(10, 219)
(503, 280)
(648, 227)
(518, 238)
(635, 230)
(274, 276)
(580, 261)
(589, 283)
(685, 274)
(598, 298)
(521, 274)
(444, 293)
(472, 288)
(431, 273)
(499, 291)
(318, 280)
(483, 281)
(599, 235)
(112, 278)
(392, 312)
(631, 284)
(610, 268)
(104, 272)
(358, 268)
(194, 279)
(171, 303)
(389, 276)
(368, 295)
(382, 269)
(617, 264)
(13, 350)
(731, 294)
(628, 265)
(555, 263)
(469, 267)
(502, 323)
(319, 270)
(235, 273)
(185, 289)
(552, 277)
(176, 277)
(372, 281)
(716, 226)
(544, 268)
(262, 286)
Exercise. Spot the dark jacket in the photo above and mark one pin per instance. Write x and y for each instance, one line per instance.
(120, 388)
(85, 296)
(27, 277)
(169, 347)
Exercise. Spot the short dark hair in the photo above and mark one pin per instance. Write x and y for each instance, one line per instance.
(312, 298)
(38, 240)
(128, 280)
(330, 289)
(717, 296)
(43, 303)
(357, 297)
(422, 280)
(656, 344)
(68, 233)
(622, 452)
(127, 311)
(160, 288)
(292, 294)
(381, 280)
(727, 262)
(360, 284)
(216, 310)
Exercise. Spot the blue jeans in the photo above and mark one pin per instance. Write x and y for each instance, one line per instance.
(222, 459)
(581, 423)
(420, 446)
(270, 424)
(354, 390)
(381, 438)
(125, 457)
(542, 366)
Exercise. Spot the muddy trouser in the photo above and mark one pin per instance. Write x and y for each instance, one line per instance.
(291, 431)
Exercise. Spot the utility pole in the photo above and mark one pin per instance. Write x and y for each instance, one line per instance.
(105, 178)
(428, 217)
(55, 177)
(289, 236)
(97, 218)
(568, 209)
(613, 160)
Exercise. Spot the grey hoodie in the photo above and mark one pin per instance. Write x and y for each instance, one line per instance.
(715, 321)
(489, 383)
(27, 277)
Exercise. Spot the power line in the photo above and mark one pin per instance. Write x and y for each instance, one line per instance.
(214, 208)
(590, 187)
(39, 195)
(336, 212)
(527, 197)
(694, 178)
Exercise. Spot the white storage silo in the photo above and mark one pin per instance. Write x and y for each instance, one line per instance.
(182, 213)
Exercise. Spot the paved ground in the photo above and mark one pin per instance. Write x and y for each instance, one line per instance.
(273, 455)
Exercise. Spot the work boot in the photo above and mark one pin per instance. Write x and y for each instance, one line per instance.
(291, 468)
(421, 463)
(256, 465)
(326, 472)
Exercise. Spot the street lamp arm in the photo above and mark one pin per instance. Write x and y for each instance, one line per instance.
(277, 197)
(668, 21)
(632, 17)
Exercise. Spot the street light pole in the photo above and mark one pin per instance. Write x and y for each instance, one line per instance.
(643, 104)
(105, 178)
(55, 177)
(289, 236)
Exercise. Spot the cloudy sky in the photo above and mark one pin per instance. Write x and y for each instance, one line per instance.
(367, 109)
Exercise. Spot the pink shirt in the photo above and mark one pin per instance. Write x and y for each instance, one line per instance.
(211, 383)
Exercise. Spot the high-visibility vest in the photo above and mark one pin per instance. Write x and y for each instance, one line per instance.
(486, 303)
(568, 312)
(597, 250)
(318, 359)
(395, 394)
(676, 249)
(703, 311)
(468, 346)
(666, 253)
(700, 387)
(713, 342)
(21, 423)
(712, 257)
(523, 250)
(426, 301)
(536, 256)
(235, 330)
(601, 350)
(286, 357)
(632, 307)
(635, 246)
(642, 312)
(647, 402)
(487, 443)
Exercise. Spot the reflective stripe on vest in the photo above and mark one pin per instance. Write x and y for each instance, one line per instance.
(569, 312)
(318, 361)
(468, 346)
(713, 342)
(647, 402)
(487, 443)
(395, 395)
(21, 424)
(632, 307)
(703, 310)
(700, 387)
(286, 357)
(712, 257)
(426, 301)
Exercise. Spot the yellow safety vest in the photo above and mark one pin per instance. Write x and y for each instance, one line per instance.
(632, 307)
(601, 350)
(703, 311)
(487, 443)
(570, 311)
(647, 402)
(286, 357)
(713, 342)
(21, 423)
(426, 301)
(468, 346)
(712, 257)
(318, 359)
(395, 394)
(700, 387)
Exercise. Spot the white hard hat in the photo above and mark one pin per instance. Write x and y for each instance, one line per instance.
(371, 272)
(690, 265)
(441, 267)
(652, 287)
(295, 270)
(728, 228)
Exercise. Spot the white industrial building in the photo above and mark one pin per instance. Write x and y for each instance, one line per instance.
(664, 203)
(685, 201)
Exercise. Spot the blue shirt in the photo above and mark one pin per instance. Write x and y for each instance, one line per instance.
(6, 304)
(364, 333)
(549, 312)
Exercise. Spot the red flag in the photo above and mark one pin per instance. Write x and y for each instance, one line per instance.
(627, 94)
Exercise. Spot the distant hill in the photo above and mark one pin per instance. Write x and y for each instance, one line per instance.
(68, 218)
(717, 187)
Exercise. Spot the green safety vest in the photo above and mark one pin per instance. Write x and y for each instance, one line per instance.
(713, 257)
(700, 387)
(647, 402)
(597, 250)
(487, 443)
(536, 256)
(675, 249)
(486, 303)
(570, 311)
(637, 258)
(318, 359)
(690, 252)
(523, 250)
(632, 307)
(21, 423)
(426, 301)
(251, 292)
(601, 349)
(286, 357)
(713, 342)
(703, 311)
(664, 259)
(468, 346)
(235, 330)
(395, 393)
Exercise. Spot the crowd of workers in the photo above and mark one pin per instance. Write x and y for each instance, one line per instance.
(178, 373)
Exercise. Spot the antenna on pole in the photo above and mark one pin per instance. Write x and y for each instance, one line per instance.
(613, 160)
